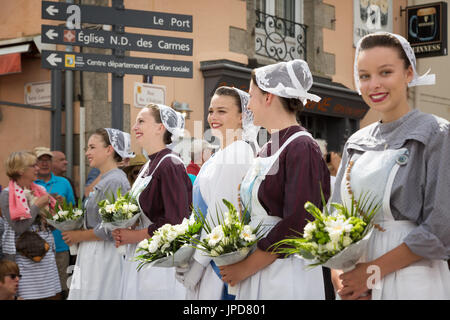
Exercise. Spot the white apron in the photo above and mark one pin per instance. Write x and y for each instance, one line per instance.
(375, 171)
(284, 278)
(149, 283)
(97, 271)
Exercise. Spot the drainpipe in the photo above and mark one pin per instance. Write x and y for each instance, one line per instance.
(82, 136)
(69, 115)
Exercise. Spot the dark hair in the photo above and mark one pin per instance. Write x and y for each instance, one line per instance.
(387, 41)
(230, 92)
(104, 134)
(154, 110)
(291, 105)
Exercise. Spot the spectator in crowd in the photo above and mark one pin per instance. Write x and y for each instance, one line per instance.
(9, 280)
(59, 168)
(201, 151)
(25, 228)
(135, 165)
(333, 160)
(59, 188)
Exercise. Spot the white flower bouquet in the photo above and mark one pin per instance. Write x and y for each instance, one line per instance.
(119, 211)
(67, 218)
(230, 240)
(170, 245)
(336, 240)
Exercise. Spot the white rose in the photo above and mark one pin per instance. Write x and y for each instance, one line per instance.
(171, 235)
(181, 229)
(143, 244)
(133, 208)
(309, 230)
(214, 253)
(347, 241)
(153, 245)
(77, 212)
(331, 246)
(165, 246)
(63, 213)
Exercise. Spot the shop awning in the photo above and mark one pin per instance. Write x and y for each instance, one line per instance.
(10, 63)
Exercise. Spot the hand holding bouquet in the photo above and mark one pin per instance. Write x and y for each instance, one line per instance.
(231, 240)
(170, 245)
(67, 218)
(119, 211)
(335, 240)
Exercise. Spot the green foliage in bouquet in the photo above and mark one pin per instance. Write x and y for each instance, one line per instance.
(65, 211)
(330, 233)
(118, 207)
(230, 233)
(167, 240)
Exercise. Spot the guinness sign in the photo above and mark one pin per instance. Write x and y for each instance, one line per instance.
(427, 29)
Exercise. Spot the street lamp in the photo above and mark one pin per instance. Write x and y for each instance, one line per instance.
(183, 108)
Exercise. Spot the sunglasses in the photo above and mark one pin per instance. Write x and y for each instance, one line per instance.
(14, 276)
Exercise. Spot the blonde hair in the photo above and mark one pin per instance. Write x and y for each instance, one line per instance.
(18, 161)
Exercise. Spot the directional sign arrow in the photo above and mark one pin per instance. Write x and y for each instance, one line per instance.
(51, 10)
(111, 40)
(111, 64)
(53, 58)
(126, 17)
(51, 34)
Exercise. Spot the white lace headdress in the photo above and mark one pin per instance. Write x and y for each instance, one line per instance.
(425, 79)
(172, 120)
(290, 79)
(250, 131)
(121, 142)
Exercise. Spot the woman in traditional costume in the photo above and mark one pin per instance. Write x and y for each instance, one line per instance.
(218, 179)
(98, 267)
(164, 193)
(402, 160)
(288, 171)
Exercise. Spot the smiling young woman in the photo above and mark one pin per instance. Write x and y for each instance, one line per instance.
(98, 266)
(164, 193)
(287, 172)
(402, 160)
(219, 179)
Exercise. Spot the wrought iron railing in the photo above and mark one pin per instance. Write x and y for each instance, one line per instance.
(278, 38)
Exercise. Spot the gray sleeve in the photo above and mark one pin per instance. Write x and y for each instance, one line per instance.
(431, 239)
(112, 185)
(19, 226)
(336, 196)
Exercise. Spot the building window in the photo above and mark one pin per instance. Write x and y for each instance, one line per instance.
(280, 34)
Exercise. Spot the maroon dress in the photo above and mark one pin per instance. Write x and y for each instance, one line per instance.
(168, 196)
(301, 173)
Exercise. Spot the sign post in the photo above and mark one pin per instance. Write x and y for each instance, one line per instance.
(118, 64)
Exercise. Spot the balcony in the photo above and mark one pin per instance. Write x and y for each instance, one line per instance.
(279, 39)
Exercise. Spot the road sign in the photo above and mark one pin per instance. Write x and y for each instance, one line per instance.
(113, 40)
(146, 93)
(107, 63)
(124, 17)
(38, 93)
